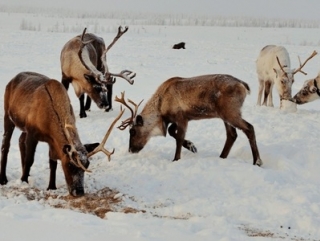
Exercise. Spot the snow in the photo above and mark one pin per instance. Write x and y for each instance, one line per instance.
(201, 196)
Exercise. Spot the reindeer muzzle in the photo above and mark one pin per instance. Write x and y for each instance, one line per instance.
(78, 192)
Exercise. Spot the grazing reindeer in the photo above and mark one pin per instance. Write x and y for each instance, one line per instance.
(180, 45)
(84, 65)
(41, 108)
(273, 68)
(309, 92)
(179, 100)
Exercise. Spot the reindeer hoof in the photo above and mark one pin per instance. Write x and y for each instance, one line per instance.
(83, 115)
(3, 181)
(108, 109)
(190, 146)
(258, 163)
(52, 187)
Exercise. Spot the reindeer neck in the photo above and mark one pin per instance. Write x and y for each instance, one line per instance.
(152, 117)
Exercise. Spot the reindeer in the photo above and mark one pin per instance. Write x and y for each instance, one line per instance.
(84, 65)
(41, 108)
(309, 92)
(179, 100)
(273, 68)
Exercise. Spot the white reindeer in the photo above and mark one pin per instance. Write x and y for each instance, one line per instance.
(273, 68)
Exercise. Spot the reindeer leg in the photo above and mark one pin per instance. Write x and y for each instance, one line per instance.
(186, 143)
(88, 103)
(248, 130)
(109, 89)
(66, 81)
(8, 130)
(82, 109)
(270, 99)
(179, 135)
(267, 86)
(30, 148)
(231, 138)
(53, 167)
(261, 86)
(22, 146)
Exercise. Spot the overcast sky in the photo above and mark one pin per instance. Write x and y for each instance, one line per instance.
(297, 9)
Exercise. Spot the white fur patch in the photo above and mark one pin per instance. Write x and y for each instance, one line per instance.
(156, 131)
(86, 59)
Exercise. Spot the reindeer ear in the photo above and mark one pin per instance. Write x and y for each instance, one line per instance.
(66, 149)
(139, 120)
(90, 147)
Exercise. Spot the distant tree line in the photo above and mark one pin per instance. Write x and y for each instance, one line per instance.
(134, 18)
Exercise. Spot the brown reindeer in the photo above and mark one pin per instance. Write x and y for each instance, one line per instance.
(84, 65)
(41, 108)
(179, 100)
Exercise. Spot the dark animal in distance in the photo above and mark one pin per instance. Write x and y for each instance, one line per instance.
(179, 100)
(180, 45)
(84, 65)
(41, 109)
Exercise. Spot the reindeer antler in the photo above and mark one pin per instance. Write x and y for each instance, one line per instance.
(103, 142)
(129, 121)
(281, 67)
(77, 163)
(125, 74)
(314, 53)
(119, 34)
(82, 36)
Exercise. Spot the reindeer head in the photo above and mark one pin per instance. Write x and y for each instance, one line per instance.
(139, 135)
(285, 78)
(76, 158)
(98, 90)
(74, 162)
(309, 92)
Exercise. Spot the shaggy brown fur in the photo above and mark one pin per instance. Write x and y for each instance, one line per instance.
(40, 108)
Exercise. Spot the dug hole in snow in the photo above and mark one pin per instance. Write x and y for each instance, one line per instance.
(288, 106)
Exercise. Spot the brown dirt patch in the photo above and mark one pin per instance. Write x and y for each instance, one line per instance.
(98, 203)
(254, 232)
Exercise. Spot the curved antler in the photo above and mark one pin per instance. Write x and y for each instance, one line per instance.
(82, 36)
(125, 74)
(103, 142)
(77, 163)
(281, 67)
(83, 54)
(130, 120)
(314, 53)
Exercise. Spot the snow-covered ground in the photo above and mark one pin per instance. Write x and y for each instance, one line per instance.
(200, 197)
